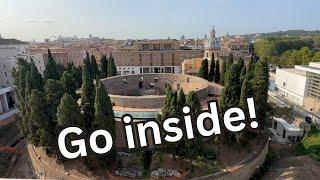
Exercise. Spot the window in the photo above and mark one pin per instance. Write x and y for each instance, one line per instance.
(5, 74)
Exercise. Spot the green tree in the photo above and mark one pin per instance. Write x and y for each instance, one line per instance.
(104, 119)
(230, 60)
(87, 99)
(223, 72)
(68, 115)
(194, 146)
(90, 68)
(112, 69)
(243, 74)
(19, 76)
(212, 71)
(146, 160)
(68, 112)
(246, 92)
(260, 85)
(217, 72)
(231, 92)
(95, 67)
(203, 71)
(104, 67)
(250, 70)
(181, 100)
(51, 70)
(36, 78)
(39, 122)
(68, 83)
(53, 94)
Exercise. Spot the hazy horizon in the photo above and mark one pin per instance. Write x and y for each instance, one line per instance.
(124, 19)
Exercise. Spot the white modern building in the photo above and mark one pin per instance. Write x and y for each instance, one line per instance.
(291, 84)
(285, 132)
(301, 86)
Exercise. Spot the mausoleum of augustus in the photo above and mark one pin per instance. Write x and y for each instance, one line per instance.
(143, 95)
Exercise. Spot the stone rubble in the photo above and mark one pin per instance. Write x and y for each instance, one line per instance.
(161, 173)
(131, 172)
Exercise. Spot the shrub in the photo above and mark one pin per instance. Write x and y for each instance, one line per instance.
(209, 154)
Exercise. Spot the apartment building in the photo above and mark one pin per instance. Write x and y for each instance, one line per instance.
(236, 45)
(301, 86)
(152, 56)
(10, 50)
(70, 52)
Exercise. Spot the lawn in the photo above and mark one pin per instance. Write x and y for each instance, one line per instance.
(310, 144)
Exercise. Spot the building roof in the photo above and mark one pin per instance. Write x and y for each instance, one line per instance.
(286, 125)
(312, 67)
(296, 71)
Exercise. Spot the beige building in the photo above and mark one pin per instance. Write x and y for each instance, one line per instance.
(237, 45)
(8, 56)
(74, 52)
(152, 56)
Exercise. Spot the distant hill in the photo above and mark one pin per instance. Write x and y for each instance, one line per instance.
(283, 34)
(11, 41)
(291, 33)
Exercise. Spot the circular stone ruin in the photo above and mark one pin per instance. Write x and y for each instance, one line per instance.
(143, 95)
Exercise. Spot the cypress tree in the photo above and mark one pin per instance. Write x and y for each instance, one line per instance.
(217, 72)
(95, 67)
(77, 75)
(87, 99)
(104, 119)
(194, 147)
(174, 104)
(54, 92)
(230, 94)
(181, 100)
(19, 76)
(194, 103)
(104, 67)
(86, 60)
(243, 74)
(90, 68)
(68, 83)
(223, 72)
(36, 78)
(112, 69)
(146, 160)
(246, 92)
(230, 60)
(250, 70)
(68, 115)
(203, 71)
(212, 71)
(51, 70)
(68, 112)
(166, 109)
(260, 85)
(41, 125)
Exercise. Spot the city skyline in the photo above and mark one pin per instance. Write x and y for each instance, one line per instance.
(152, 20)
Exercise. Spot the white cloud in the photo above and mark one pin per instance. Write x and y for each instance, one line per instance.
(33, 20)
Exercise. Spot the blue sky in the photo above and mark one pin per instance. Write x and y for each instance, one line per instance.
(121, 19)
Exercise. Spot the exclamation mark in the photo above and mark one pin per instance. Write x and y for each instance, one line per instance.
(252, 113)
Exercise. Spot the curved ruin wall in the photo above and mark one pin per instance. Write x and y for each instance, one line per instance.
(244, 169)
(122, 89)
